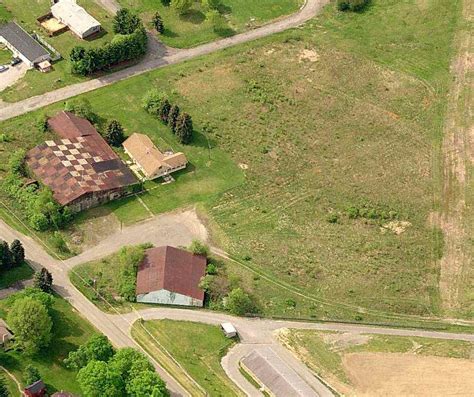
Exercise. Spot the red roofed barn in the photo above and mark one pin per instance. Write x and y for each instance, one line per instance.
(171, 276)
(81, 169)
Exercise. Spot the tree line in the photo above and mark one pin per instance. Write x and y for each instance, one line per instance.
(11, 256)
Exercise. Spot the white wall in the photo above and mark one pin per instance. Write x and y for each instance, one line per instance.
(165, 297)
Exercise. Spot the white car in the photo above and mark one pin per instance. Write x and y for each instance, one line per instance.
(3, 68)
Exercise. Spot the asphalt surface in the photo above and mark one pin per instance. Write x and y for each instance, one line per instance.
(158, 57)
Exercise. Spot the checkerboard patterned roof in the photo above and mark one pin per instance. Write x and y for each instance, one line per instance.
(77, 166)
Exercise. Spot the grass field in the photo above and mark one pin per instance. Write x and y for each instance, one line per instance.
(5, 56)
(69, 331)
(344, 114)
(26, 12)
(326, 353)
(9, 277)
(11, 385)
(192, 28)
(196, 347)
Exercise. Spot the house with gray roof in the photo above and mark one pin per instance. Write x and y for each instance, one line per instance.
(22, 44)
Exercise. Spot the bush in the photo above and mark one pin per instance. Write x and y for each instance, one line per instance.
(184, 128)
(31, 374)
(42, 123)
(238, 302)
(157, 22)
(181, 6)
(199, 248)
(212, 4)
(332, 218)
(352, 5)
(81, 108)
(153, 101)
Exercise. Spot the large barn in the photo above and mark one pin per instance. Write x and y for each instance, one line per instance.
(171, 276)
(81, 169)
(71, 14)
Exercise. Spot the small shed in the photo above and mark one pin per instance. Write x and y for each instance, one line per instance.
(229, 330)
(45, 66)
(37, 389)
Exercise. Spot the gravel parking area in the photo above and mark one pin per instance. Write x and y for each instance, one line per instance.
(12, 75)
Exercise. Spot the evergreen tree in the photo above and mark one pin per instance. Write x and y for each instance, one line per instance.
(5, 256)
(17, 253)
(173, 117)
(115, 133)
(126, 22)
(164, 110)
(184, 128)
(43, 280)
(3, 387)
(158, 23)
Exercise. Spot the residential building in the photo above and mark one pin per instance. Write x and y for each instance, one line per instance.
(71, 14)
(81, 169)
(171, 276)
(151, 162)
(22, 45)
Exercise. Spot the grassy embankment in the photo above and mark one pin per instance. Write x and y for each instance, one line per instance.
(337, 127)
(69, 331)
(198, 348)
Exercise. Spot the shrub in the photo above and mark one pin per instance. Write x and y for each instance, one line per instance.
(181, 6)
(212, 4)
(42, 123)
(199, 248)
(157, 22)
(58, 243)
(211, 269)
(31, 374)
(153, 100)
(352, 5)
(332, 218)
(81, 108)
(173, 117)
(184, 128)
(238, 302)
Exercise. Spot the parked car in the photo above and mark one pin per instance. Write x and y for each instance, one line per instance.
(15, 61)
(3, 68)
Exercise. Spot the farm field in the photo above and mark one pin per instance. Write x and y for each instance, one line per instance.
(196, 347)
(69, 331)
(337, 129)
(384, 365)
(26, 12)
(11, 276)
(193, 28)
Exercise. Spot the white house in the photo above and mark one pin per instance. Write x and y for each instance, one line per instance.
(22, 45)
(69, 13)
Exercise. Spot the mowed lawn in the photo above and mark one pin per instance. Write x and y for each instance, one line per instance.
(25, 12)
(69, 331)
(345, 113)
(11, 276)
(198, 348)
(193, 28)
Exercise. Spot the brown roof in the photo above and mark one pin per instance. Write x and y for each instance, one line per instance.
(75, 166)
(172, 269)
(142, 149)
(68, 125)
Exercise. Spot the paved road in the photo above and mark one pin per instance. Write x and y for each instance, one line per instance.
(163, 57)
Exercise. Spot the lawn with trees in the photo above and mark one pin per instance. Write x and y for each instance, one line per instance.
(197, 347)
(187, 23)
(336, 201)
(68, 331)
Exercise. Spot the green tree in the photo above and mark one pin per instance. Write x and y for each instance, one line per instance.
(216, 20)
(352, 5)
(98, 379)
(97, 348)
(157, 22)
(145, 384)
(129, 362)
(17, 253)
(3, 387)
(16, 163)
(115, 133)
(31, 324)
(126, 22)
(239, 303)
(184, 128)
(173, 117)
(34, 293)
(153, 100)
(5, 256)
(181, 6)
(31, 374)
(43, 280)
(81, 108)
(199, 248)
(42, 122)
(164, 110)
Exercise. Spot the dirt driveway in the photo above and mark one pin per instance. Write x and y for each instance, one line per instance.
(12, 75)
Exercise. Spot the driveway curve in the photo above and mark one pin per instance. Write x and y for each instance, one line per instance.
(161, 58)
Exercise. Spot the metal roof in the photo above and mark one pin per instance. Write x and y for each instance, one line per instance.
(22, 41)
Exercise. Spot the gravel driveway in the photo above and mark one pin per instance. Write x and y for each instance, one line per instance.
(12, 75)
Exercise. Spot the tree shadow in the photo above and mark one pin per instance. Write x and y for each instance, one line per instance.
(224, 31)
(224, 9)
(169, 33)
(195, 17)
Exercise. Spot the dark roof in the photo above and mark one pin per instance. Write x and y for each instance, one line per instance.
(68, 125)
(172, 269)
(22, 41)
(76, 166)
(36, 387)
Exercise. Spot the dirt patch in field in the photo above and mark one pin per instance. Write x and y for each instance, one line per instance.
(308, 55)
(396, 374)
(397, 227)
(220, 79)
(338, 341)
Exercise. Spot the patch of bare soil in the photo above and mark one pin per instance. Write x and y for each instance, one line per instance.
(397, 227)
(341, 341)
(397, 374)
(456, 162)
(308, 55)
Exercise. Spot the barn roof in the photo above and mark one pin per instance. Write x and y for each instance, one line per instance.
(171, 269)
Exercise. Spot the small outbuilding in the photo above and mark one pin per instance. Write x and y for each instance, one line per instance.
(171, 276)
(229, 330)
(76, 18)
(37, 389)
(22, 45)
